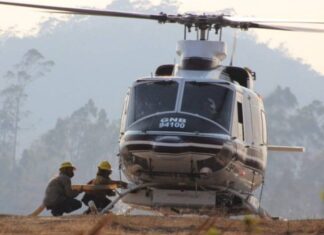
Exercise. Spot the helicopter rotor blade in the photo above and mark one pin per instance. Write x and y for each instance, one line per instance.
(200, 21)
(285, 28)
(271, 21)
(251, 24)
(93, 12)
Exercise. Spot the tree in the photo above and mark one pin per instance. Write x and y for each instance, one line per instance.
(280, 105)
(294, 176)
(13, 97)
(86, 137)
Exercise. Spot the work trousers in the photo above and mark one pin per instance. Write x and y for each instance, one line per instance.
(67, 206)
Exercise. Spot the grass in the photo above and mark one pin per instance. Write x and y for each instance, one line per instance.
(153, 225)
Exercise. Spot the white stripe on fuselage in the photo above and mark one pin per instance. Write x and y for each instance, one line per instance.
(213, 146)
(153, 143)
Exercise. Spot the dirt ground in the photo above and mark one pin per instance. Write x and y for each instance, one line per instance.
(120, 224)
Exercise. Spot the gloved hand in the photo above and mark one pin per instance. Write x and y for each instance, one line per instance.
(122, 184)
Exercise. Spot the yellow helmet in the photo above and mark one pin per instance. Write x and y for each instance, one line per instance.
(66, 165)
(104, 165)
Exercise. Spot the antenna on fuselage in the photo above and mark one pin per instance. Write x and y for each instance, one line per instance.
(233, 48)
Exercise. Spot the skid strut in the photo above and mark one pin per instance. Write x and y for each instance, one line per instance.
(123, 194)
(250, 202)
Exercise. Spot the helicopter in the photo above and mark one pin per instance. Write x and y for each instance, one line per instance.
(193, 136)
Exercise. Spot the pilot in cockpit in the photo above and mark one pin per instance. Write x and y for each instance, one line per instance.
(209, 108)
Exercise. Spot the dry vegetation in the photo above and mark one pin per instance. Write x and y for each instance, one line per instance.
(112, 224)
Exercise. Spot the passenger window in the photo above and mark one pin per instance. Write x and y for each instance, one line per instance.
(240, 120)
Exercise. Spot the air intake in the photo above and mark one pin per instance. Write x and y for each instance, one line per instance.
(200, 55)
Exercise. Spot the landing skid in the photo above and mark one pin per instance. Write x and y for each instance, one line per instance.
(138, 195)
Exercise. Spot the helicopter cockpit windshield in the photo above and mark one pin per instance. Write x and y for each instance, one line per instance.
(209, 100)
(153, 97)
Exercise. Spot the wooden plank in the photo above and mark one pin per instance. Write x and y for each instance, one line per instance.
(37, 211)
(91, 187)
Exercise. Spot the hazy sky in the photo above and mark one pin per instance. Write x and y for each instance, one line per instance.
(307, 46)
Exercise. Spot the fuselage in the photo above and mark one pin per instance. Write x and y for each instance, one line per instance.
(194, 129)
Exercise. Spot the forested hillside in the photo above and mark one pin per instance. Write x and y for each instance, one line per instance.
(86, 137)
(294, 182)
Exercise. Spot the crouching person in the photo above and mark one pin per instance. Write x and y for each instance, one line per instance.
(100, 198)
(59, 196)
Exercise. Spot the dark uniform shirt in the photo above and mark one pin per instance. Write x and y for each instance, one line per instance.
(58, 190)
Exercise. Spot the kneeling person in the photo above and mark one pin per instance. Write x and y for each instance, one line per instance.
(59, 196)
(100, 198)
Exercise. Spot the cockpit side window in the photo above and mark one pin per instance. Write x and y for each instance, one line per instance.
(124, 114)
(209, 100)
(152, 97)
